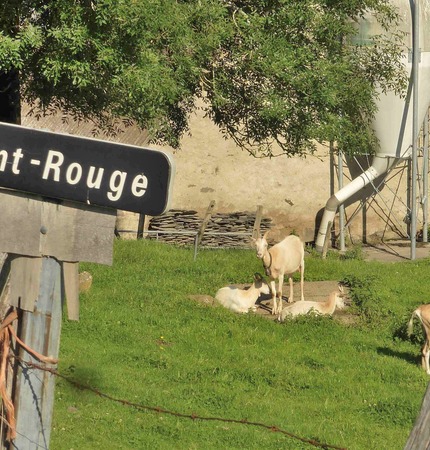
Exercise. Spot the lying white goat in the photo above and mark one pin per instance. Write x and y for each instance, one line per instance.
(327, 307)
(423, 314)
(241, 300)
(284, 258)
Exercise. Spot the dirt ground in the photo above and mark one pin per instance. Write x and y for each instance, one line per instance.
(313, 290)
(395, 251)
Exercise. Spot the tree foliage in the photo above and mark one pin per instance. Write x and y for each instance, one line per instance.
(270, 71)
(290, 76)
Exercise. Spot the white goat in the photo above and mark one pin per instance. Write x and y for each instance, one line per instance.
(241, 300)
(284, 258)
(335, 300)
(423, 314)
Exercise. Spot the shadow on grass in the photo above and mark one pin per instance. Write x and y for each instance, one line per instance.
(410, 358)
(82, 378)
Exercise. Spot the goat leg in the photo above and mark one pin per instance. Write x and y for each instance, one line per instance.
(302, 270)
(425, 357)
(291, 296)
(273, 289)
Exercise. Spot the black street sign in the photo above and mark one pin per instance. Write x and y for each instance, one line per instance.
(85, 170)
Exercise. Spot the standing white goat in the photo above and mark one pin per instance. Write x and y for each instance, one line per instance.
(423, 314)
(241, 300)
(284, 258)
(327, 307)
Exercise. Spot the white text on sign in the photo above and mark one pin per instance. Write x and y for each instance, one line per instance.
(54, 168)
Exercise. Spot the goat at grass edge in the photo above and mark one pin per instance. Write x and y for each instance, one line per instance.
(284, 258)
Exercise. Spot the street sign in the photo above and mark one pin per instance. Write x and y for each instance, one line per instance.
(85, 170)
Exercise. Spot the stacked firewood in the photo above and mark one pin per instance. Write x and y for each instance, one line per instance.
(175, 226)
(180, 227)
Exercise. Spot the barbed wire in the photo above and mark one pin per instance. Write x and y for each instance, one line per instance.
(158, 409)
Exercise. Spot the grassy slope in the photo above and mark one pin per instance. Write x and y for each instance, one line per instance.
(141, 339)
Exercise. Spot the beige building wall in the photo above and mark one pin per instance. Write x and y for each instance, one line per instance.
(292, 191)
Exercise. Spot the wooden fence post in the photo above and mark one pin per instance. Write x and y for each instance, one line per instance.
(205, 222)
(327, 240)
(38, 287)
(141, 226)
(34, 388)
(257, 223)
(61, 217)
(419, 439)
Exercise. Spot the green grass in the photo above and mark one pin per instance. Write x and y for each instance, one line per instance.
(142, 340)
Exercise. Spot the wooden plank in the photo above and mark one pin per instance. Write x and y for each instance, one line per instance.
(77, 233)
(71, 288)
(34, 389)
(205, 221)
(24, 281)
(419, 438)
(19, 222)
(33, 226)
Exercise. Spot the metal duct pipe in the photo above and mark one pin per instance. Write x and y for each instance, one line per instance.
(396, 120)
(380, 166)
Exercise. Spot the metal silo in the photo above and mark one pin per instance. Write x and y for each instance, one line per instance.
(398, 119)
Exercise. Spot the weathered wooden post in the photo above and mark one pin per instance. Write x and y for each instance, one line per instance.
(205, 222)
(140, 226)
(46, 239)
(257, 223)
(34, 389)
(419, 438)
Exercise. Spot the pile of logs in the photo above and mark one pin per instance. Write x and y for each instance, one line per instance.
(180, 227)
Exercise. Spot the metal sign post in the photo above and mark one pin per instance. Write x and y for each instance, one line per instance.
(78, 183)
(415, 124)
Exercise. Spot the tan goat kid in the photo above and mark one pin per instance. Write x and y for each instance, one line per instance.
(284, 258)
(335, 300)
(242, 300)
(423, 314)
